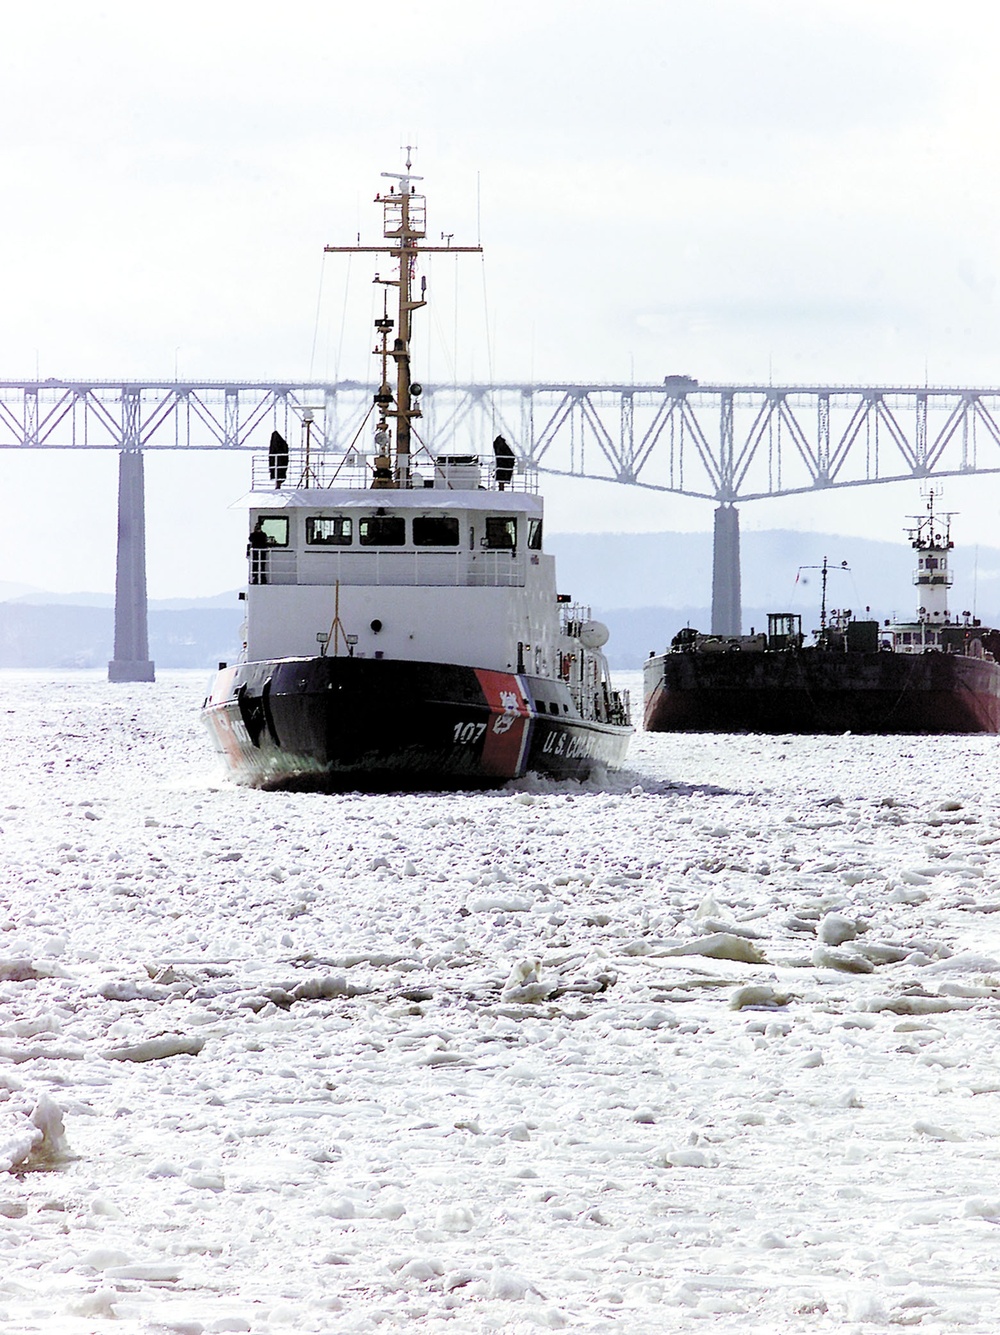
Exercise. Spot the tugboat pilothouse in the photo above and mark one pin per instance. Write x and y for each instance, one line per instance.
(403, 626)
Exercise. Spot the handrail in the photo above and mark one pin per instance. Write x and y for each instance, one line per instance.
(407, 568)
(354, 471)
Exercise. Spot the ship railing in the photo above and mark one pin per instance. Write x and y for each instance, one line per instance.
(619, 707)
(601, 703)
(500, 569)
(369, 568)
(571, 617)
(354, 471)
(272, 565)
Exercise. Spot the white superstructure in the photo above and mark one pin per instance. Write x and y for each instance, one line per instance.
(449, 570)
(441, 576)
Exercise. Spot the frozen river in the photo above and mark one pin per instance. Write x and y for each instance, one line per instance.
(712, 1045)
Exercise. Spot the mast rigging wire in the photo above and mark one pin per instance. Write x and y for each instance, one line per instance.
(319, 303)
(489, 347)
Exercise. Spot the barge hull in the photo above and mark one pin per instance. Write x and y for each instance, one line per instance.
(820, 691)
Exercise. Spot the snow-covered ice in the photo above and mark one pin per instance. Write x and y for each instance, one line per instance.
(708, 1045)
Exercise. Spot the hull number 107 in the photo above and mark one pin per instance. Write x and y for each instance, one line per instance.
(467, 733)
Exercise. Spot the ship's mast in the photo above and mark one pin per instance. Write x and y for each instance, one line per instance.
(825, 569)
(404, 228)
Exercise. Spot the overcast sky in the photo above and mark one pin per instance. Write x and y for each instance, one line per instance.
(738, 189)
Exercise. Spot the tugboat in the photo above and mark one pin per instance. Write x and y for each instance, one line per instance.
(934, 674)
(403, 628)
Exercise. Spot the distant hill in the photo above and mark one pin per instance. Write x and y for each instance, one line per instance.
(8, 590)
(675, 569)
(28, 597)
(644, 585)
(66, 636)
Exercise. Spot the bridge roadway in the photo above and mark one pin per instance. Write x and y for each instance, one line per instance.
(731, 444)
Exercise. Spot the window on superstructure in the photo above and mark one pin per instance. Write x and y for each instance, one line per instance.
(382, 531)
(535, 535)
(334, 531)
(501, 532)
(435, 531)
(275, 529)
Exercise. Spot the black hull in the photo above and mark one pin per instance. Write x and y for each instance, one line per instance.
(373, 723)
(814, 690)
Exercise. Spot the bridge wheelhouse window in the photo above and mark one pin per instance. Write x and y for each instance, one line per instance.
(275, 529)
(382, 531)
(435, 531)
(501, 532)
(329, 531)
(534, 535)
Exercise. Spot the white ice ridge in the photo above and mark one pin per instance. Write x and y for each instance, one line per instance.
(32, 1132)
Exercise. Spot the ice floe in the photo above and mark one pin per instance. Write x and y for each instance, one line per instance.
(708, 1045)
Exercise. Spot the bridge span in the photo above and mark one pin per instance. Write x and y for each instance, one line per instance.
(728, 443)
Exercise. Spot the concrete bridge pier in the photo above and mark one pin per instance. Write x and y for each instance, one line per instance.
(131, 661)
(727, 606)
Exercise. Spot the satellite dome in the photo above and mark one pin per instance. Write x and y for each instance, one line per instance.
(593, 634)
